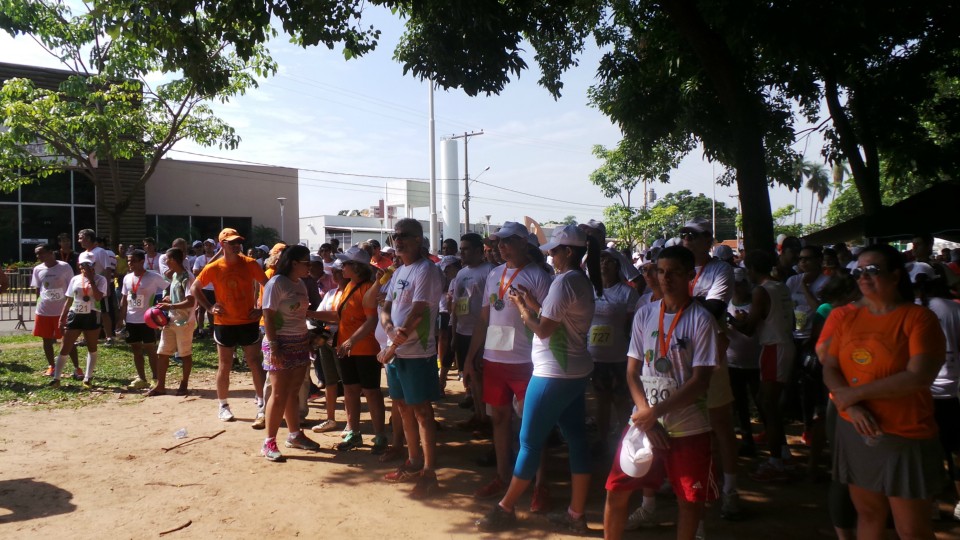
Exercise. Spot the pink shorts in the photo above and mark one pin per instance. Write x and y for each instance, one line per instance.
(688, 463)
(503, 381)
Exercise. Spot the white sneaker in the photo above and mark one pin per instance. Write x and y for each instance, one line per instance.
(641, 517)
(225, 414)
(326, 425)
(701, 534)
(729, 505)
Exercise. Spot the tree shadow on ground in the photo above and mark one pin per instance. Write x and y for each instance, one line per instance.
(23, 499)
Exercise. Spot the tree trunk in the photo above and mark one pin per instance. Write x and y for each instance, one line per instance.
(865, 172)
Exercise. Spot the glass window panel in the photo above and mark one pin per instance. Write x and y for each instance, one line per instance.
(84, 191)
(85, 217)
(206, 227)
(170, 227)
(9, 234)
(52, 189)
(41, 224)
(243, 225)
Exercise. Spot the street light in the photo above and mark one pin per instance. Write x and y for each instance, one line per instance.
(280, 200)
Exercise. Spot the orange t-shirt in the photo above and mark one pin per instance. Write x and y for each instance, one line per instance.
(352, 317)
(236, 286)
(872, 347)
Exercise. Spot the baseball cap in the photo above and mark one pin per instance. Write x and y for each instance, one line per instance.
(636, 453)
(596, 226)
(917, 269)
(723, 251)
(510, 228)
(568, 235)
(448, 260)
(229, 234)
(87, 258)
(353, 254)
(315, 258)
(388, 249)
(533, 240)
(196, 244)
(374, 242)
(264, 248)
(698, 225)
(209, 241)
(337, 265)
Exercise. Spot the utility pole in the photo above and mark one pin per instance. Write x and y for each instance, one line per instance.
(434, 226)
(466, 177)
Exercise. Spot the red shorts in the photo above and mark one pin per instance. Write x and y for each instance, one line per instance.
(503, 381)
(688, 464)
(47, 326)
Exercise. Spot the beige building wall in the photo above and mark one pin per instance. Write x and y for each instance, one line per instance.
(199, 188)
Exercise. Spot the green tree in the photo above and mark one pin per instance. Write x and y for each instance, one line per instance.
(106, 111)
(819, 185)
(689, 206)
(629, 164)
(263, 235)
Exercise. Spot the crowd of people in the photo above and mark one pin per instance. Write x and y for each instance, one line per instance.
(680, 347)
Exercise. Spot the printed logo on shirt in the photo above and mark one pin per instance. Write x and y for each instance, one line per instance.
(861, 356)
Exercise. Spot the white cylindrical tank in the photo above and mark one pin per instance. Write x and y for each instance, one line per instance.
(448, 186)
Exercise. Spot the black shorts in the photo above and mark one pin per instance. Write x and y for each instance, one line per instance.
(610, 378)
(140, 333)
(461, 345)
(362, 370)
(443, 320)
(210, 295)
(947, 414)
(236, 335)
(83, 321)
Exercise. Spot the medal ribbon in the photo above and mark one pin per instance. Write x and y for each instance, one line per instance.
(697, 278)
(85, 285)
(505, 286)
(664, 345)
(136, 286)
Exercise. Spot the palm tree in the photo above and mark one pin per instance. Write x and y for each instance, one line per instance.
(840, 171)
(818, 182)
(801, 169)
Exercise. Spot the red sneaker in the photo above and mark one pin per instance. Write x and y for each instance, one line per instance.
(495, 488)
(404, 473)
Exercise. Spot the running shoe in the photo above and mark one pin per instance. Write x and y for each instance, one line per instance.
(48, 372)
(54, 383)
(379, 444)
(138, 384)
(326, 425)
(426, 486)
(88, 383)
(768, 472)
(259, 422)
(497, 519)
(225, 414)
(564, 521)
(302, 442)
(353, 440)
(404, 473)
(641, 518)
(495, 488)
(540, 502)
(77, 374)
(271, 452)
(730, 506)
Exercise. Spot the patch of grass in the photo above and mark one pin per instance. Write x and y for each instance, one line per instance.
(22, 381)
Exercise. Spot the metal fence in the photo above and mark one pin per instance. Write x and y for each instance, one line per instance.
(19, 300)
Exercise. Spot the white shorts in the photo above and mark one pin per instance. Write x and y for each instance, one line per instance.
(177, 339)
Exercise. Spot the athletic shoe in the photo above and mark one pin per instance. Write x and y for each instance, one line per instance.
(54, 383)
(641, 518)
(730, 505)
(326, 425)
(77, 374)
(346, 432)
(392, 453)
(225, 414)
(497, 519)
(767, 472)
(271, 452)
(540, 502)
(404, 473)
(353, 440)
(88, 384)
(138, 384)
(564, 521)
(302, 442)
(48, 372)
(426, 486)
(495, 488)
(259, 422)
(379, 444)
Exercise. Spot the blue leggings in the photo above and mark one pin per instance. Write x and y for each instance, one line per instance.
(550, 402)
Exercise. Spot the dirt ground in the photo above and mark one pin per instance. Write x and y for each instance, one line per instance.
(102, 470)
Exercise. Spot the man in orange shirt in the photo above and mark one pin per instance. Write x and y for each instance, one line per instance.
(236, 315)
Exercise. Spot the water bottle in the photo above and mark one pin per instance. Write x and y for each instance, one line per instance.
(180, 433)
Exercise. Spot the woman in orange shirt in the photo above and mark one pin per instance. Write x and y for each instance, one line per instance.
(357, 350)
(882, 356)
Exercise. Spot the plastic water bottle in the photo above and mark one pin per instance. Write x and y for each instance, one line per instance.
(180, 433)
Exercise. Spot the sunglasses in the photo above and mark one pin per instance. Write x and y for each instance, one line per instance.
(688, 236)
(402, 236)
(871, 270)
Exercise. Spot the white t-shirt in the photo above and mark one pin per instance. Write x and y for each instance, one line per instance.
(141, 293)
(327, 303)
(743, 351)
(378, 332)
(608, 338)
(947, 383)
(198, 263)
(802, 311)
(101, 261)
(693, 343)
(777, 328)
(179, 290)
(51, 284)
(418, 282)
(467, 290)
(289, 301)
(509, 341)
(644, 299)
(164, 267)
(714, 281)
(564, 354)
(76, 291)
(152, 264)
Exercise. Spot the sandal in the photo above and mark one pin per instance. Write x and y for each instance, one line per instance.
(156, 392)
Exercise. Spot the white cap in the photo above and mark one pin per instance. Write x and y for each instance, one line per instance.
(510, 228)
(723, 251)
(672, 242)
(87, 258)
(354, 254)
(568, 235)
(698, 225)
(636, 453)
(263, 248)
(448, 260)
(917, 269)
(388, 249)
(658, 243)
(210, 241)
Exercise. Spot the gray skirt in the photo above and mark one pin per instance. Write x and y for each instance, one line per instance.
(895, 466)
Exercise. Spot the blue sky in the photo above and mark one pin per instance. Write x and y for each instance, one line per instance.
(364, 117)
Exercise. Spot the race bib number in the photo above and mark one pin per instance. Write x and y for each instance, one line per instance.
(462, 306)
(52, 295)
(136, 301)
(82, 307)
(499, 338)
(658, 389)
(600, 335)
